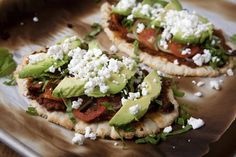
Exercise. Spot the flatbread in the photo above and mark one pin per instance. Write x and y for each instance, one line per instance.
(150, 124)
(157, 62)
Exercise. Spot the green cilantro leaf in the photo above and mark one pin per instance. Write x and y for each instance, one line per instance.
(32, 111)
(7, 63)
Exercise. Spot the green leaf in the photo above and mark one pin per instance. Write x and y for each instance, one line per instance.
(11, 81)
(108, 106)
(233, 38)
(7, 64)
(127, 128)
(32, 111)
(152, 139)
(177, 92)
(127, 23)
(96, 29)
(181, 131)
(136, 51)
(68, 104)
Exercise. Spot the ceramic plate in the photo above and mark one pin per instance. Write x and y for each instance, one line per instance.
(33, 136)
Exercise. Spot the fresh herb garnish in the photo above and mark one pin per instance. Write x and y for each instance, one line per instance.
(11, 81)
(152, 139)
(68, 104)
(233, 38)
(108, 106)
(96, 29)
(127, 23)
(32, 111)
(7, 63)
(127, 128)
(136, 51)
(180, 131)
(176, 91)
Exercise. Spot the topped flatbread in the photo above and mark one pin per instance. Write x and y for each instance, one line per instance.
(171, 39)
(81, 87)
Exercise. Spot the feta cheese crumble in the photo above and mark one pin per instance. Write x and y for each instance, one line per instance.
(186, 51)
(89, 134)
(188, 23)
(167, 129)
(215, 85)
(195, 123)
(95, 68)
(134, 109)
(200, 84)
(125, 4)
(113, 49)
(52, 69)
(200, 59)
(198, 94)
(130, 17)
(77, 104)
(35, 58)
(35, 19)
(133, 96)
(230, 72)
(78, 139)
(176, 62)
(140, 27)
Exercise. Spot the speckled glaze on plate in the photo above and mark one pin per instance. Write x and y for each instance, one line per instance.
(33, 136)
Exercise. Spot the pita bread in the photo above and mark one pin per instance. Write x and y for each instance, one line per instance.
(150, 124)
(157, 62)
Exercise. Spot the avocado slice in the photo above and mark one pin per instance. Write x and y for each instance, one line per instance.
(69, 87)
(192, 39)
(123, 116)
(35, 70)
(174, 5)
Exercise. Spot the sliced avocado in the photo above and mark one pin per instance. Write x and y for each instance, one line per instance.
(69, 87)
(116, 83)
(121, 11)
(123, 116)
(192, 39)
(174, 5)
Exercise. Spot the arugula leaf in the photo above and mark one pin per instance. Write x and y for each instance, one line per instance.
(108, 106)
(152, 139)
(7, 63)
(32, 111)
(177, 93)
(68, 104)
(233, 38)
(96, 29)
(11, 81)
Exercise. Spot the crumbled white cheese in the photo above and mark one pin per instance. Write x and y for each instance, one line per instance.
(56, 52)
(189, 24)
(194, 82)
(130, 17)
(133, 96)
(35, 58)
(230, 72)
(215, 85)
(186, 51)
(195, 123)
(200, 59)
(215, 59)
(200, 84)
(164, 44)
(116, 144)
(35, 19)
(113, 49)
(167, 129)
(78, 139)
(198, 94)
(134, 109)
(145, 10)
(176, 62)
(125, 4)
(89, 134)
(144, 92)
(123, 100)
(77, 104)
(140, 27)
(52, 69)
